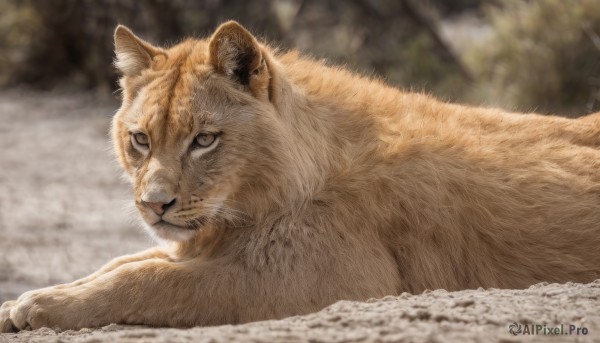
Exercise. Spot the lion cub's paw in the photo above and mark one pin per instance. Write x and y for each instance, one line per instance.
(6, 324)
(31, 311)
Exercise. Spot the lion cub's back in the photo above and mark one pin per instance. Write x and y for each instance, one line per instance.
(496, 188)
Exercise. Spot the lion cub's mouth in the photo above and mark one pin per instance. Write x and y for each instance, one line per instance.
(169, 231)
(196, 224)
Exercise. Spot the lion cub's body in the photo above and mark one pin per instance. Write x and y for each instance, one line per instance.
(446, 196)
(330, 186)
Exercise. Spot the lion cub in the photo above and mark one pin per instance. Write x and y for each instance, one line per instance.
(285, 185)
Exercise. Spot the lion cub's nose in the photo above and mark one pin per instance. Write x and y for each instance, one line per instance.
(159, 197)
(159, 207)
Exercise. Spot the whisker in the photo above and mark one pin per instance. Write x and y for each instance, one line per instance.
(233, 217)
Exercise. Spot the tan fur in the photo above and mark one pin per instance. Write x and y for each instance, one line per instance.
(324, 186)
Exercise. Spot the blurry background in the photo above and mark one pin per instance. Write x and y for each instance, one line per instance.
(61, 199)
(519, 54)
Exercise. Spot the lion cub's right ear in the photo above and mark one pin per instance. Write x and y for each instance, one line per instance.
(235, 53)
(133, 54)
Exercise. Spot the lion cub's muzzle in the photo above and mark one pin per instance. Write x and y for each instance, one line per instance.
(155, 202)
(160, 210)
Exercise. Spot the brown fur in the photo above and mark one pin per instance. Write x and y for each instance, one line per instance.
(323, 186)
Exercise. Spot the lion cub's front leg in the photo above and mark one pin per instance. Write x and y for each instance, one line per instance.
(28, 308)
(155, 252)
(155, 292)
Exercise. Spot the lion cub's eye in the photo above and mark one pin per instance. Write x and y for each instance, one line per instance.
(140, 140)
(204, 140)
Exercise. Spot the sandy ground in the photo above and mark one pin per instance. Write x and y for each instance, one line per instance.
(438, 316)
(64, 211)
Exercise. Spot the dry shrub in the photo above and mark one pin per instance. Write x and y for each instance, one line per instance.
(543, 55)
(49, 43)
(19, 26)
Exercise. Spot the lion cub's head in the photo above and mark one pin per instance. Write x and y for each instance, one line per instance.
(193, 129)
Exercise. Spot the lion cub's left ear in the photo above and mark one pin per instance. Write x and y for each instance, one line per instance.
(134, 55)
(234, 52)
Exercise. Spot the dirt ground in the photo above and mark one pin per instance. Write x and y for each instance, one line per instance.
(65, 210)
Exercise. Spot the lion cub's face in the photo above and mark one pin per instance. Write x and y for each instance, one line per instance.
(187, 131)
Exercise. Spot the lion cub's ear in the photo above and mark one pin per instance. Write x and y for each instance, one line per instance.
(234, 52)
(133, 54)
